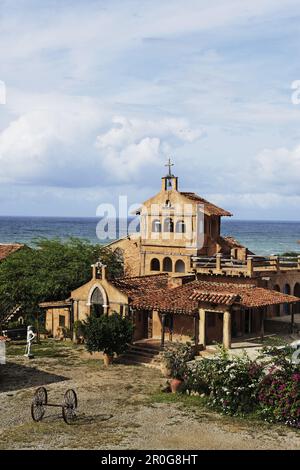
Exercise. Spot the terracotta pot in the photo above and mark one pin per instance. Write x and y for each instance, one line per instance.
(108, 359)
(175, 385)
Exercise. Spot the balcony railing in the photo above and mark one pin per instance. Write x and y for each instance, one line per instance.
(222, 265)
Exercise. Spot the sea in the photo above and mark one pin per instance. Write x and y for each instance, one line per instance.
(261, 237)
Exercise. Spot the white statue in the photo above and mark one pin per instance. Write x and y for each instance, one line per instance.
(30, 337)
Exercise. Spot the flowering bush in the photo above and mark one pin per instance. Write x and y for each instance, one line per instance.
(269, 385)
(279, 391)
(232, 384)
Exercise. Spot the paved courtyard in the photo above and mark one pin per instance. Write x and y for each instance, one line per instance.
(120, 407)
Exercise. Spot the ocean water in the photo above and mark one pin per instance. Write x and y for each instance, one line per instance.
(261, 237)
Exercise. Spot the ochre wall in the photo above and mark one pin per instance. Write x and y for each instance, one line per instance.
(131, 254)
(52, 319)
(115, 300)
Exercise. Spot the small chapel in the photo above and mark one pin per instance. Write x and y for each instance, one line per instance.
(183, 280)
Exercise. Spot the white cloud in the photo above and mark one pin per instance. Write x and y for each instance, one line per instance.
(132, 145)
(55, 142)
(164, 70)
(42, 144)
(279, 166)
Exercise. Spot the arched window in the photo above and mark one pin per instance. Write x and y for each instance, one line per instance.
(180, 226)
(156, 226)
(97, 303)
(286, 307)
(167, 265)
(168, 225)
(277, 307)
(155, 265)
(179, 266)
(297, 294)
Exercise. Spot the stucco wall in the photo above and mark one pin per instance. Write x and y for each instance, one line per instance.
(131, 255)
(52, 319)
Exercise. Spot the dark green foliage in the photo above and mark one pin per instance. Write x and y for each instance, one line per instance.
(49, 271)
(110, 334)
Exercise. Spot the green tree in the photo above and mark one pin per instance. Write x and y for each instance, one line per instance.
(50, 271)
(110, 334)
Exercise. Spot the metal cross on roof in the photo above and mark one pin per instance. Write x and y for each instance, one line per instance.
(169, 164)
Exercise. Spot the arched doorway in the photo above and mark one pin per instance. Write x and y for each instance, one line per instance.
(179, 266)
(97, 302)
(297, 294)
(286, 307)
(277, 307)
(167, 265)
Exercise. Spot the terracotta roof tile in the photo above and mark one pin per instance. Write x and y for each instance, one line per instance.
(209, 207)
(153, 293)
(8, 249)
(215, 297)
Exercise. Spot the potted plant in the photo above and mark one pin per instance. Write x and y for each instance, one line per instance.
(110, 334)
(175, 359)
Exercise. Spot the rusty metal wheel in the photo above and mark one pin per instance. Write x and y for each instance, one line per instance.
(38, 405)
(69, 406)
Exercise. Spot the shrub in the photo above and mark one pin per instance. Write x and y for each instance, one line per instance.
(110, 334)
(176, 357)
(232, 384)
(269, 386)
(279, 391)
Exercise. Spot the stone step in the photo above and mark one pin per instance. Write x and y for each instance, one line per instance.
(153, 351)
(135, 360)
(137, 357)
(144, 356)
(143, 352)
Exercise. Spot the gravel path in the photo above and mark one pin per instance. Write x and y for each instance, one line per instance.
(116, 411)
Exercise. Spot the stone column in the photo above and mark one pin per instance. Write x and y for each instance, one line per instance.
(105, 309)
(227, 329)
(218, 262)
(196, 329)
(250, 266)
(163, 323)
(275, 262)
(202, 335)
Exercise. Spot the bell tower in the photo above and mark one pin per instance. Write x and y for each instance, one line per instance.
(169, 182)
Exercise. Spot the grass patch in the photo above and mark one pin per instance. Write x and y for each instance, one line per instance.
(184, 400)
(46, 348)
(187, 402)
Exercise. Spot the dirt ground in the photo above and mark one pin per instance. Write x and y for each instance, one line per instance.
(120, 407)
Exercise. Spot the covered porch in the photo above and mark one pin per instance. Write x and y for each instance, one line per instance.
(208, 314)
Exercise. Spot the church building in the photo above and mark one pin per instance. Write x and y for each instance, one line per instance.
(183, 280)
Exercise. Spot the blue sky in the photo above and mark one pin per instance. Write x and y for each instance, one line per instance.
(100, 93)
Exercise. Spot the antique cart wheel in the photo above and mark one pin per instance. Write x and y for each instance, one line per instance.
(69, 406)
(38, 404)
